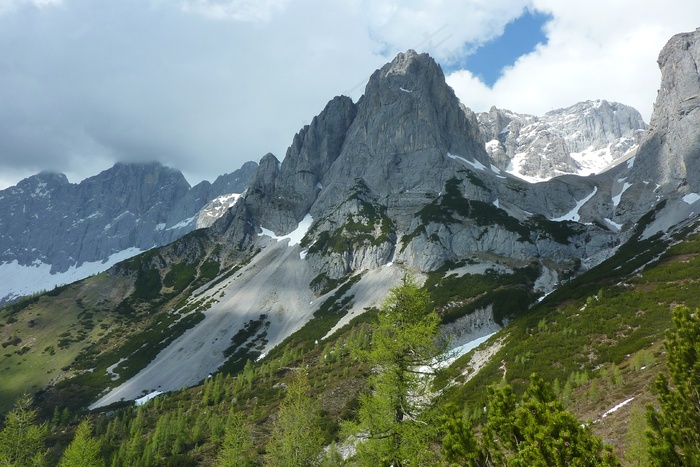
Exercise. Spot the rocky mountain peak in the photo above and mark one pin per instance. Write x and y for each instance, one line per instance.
(581, 139)
(53, 231)
(668, 155)
(407, 121)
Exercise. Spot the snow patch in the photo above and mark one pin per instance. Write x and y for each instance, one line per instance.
(215, 209)
(295, 236)
(405, 90)
(457, 352)
(574, 215)
(184, 223)
(496, 203)
(18, 280)
(691, 198)
(617, 407)
(147, 397)
(613, 224)
(616, 198)
(475, 164)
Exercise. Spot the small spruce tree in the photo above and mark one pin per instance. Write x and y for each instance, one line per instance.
(84, 450)
(22, 437)
(674, 435)
(537, 431)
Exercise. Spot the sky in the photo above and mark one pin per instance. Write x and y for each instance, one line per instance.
(206, 85)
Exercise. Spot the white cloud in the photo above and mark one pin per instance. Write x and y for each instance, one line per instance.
(7, 6)
(205, 85)
(444, 28)
(253, 11)
(597, 50)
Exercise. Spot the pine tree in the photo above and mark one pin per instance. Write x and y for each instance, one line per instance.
(296, 439)
(84, 450)
(536, 431)
(402, 343)
(674, 436)
(22, 438)
(237, 448)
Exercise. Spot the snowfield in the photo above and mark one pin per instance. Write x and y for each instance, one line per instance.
(18, 281)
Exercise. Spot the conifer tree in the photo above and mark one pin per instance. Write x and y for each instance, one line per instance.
(296, 439)
(674, 436)
(237, 448)
(403, 344)
(22, 437)
(536, 431)
(84, 450)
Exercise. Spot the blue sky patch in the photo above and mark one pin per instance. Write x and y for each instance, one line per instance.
(520, 37)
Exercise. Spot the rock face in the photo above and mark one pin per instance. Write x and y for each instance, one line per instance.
(403, 176)
(666, 166)
(581, 139)
(45, 220)
(668, 156)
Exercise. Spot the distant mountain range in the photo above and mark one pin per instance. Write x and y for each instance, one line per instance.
(53, 232)
(583, 139)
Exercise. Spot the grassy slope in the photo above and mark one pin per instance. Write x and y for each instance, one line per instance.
(557, 339)
(591, 338)
(602, 334)
(53, 331)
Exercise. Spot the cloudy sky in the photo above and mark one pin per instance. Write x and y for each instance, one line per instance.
(205, 85)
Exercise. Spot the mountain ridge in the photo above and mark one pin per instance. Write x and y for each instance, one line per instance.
(52, 227)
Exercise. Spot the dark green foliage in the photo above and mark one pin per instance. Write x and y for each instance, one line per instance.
(22, 436)
(208, 270)
(454, 297)
(560, 232)
(322, 284)
(253, 333)
(674, 437)
(402, 342)
(452, 208)
(444, 207)
(536, 431)
(369, 226)
(180, 276)
(474, 179)
(148, 285)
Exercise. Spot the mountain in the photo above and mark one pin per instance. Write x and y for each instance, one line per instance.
(581, 271)
(582, 139)
(398, 181)
(53, 232)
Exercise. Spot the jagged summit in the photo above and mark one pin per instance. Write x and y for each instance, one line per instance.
(669, 154)
(53, 232)
(581, 139)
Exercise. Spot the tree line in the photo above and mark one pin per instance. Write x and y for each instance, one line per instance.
(398, 421)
